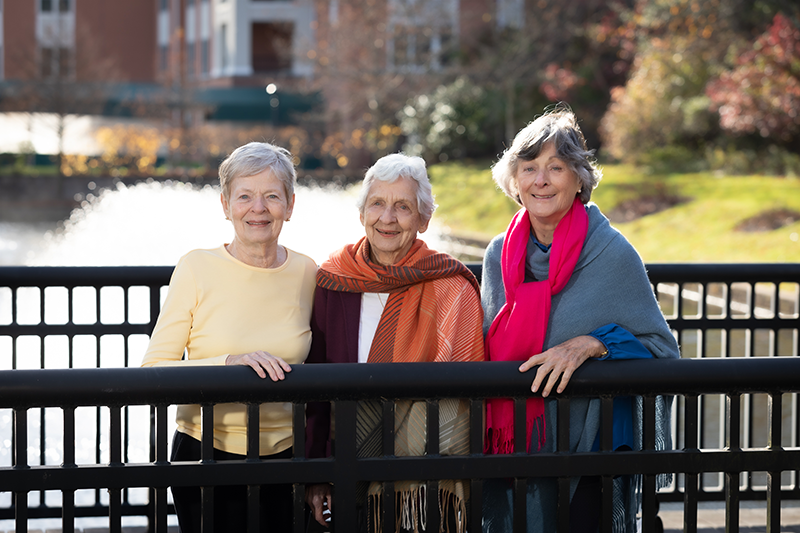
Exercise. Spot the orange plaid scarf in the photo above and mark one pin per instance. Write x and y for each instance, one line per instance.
(407, 330)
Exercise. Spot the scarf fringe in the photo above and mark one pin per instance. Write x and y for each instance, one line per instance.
(500, 440)
(411, 510)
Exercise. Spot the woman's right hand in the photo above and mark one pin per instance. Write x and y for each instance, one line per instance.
(261, 361)
(320, 499)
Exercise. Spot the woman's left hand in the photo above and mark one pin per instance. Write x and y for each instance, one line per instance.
(261, 361)
(561, 361)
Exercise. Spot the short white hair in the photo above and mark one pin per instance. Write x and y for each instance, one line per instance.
(393, 166)
(254, 158)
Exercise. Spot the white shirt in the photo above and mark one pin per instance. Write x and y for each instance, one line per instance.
(372, 304)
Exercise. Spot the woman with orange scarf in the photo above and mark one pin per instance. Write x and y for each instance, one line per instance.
(390, 298)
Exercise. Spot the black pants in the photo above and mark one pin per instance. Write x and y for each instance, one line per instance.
(230, 501)
(584, 509)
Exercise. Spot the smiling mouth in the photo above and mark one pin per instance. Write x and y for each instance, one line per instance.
(387, 233)
(259, 223)
(543, 197)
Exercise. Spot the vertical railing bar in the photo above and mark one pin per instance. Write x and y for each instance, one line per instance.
(388, 508)
(253, 510)
(298, 430)
(475, 508)
(475, 426)
(299, 507)
(161, 510)
(387, 429)
(207, 433)
(690, 440)
(562, 445)
(20, 455)
(253, 452)
(432, 449)
(649, 481)
(68, 412)
(19, 460)
(21, 511)
(207, 509)
(432, 498)
(607, 424)
(345, 465)
(71, 351)
(732, 477)
(432, 414)
(115, 435)
(387, 511)
(563, 504)
(476, 450)
(67, 510)
(520, 505)
(298, 452)
(161, 437)
(774, 414)
(607, 504)
(207, 457)
(114, 510)
(520, 425)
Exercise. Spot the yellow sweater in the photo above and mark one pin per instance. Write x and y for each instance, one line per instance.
(217, 306)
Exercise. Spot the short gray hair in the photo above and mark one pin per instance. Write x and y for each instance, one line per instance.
(254, 158)
(559, 127)
(390, 167)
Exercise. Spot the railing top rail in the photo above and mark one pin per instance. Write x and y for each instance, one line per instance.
(47, 276)
(723, 272)
(142, 386)
(658, 272)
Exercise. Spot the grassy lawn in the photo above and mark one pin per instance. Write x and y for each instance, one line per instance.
(699, 230)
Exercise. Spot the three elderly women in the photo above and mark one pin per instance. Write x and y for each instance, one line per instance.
(559, 287)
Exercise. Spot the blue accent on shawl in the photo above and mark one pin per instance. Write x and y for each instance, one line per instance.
(621, 344)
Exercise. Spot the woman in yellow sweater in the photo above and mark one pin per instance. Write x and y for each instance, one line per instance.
(244, 303)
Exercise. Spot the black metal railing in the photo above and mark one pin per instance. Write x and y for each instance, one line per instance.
(72, 318)
(346, 384)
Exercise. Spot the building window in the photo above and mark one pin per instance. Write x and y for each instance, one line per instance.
(63, 6)
(272, 46)
(163, 5)
(204, 56)
(46, 6)
(163, 55)
(417, 47)
(223, 47)
(55, 62)
(190, 59)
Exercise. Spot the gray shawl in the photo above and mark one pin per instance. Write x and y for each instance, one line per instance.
(609, 285)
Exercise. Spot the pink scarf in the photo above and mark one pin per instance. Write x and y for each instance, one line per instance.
(519, 329)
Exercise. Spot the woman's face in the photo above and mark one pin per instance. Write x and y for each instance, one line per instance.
(257, 206)
(391, 219)
(547, 188)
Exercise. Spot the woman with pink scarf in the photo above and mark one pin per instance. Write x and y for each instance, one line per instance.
(559, 287)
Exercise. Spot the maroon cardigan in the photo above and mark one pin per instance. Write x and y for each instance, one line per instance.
(334, 339)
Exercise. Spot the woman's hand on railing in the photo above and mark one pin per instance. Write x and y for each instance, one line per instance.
(320, 499)
(263, 363)
(561, 361)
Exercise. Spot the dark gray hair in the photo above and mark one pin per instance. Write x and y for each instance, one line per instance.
(254, 158)
(560, 127)
(390, 167)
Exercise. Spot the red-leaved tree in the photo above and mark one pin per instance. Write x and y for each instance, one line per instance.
(761, 93)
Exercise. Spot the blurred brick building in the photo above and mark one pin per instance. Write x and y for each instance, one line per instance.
(251, 60)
